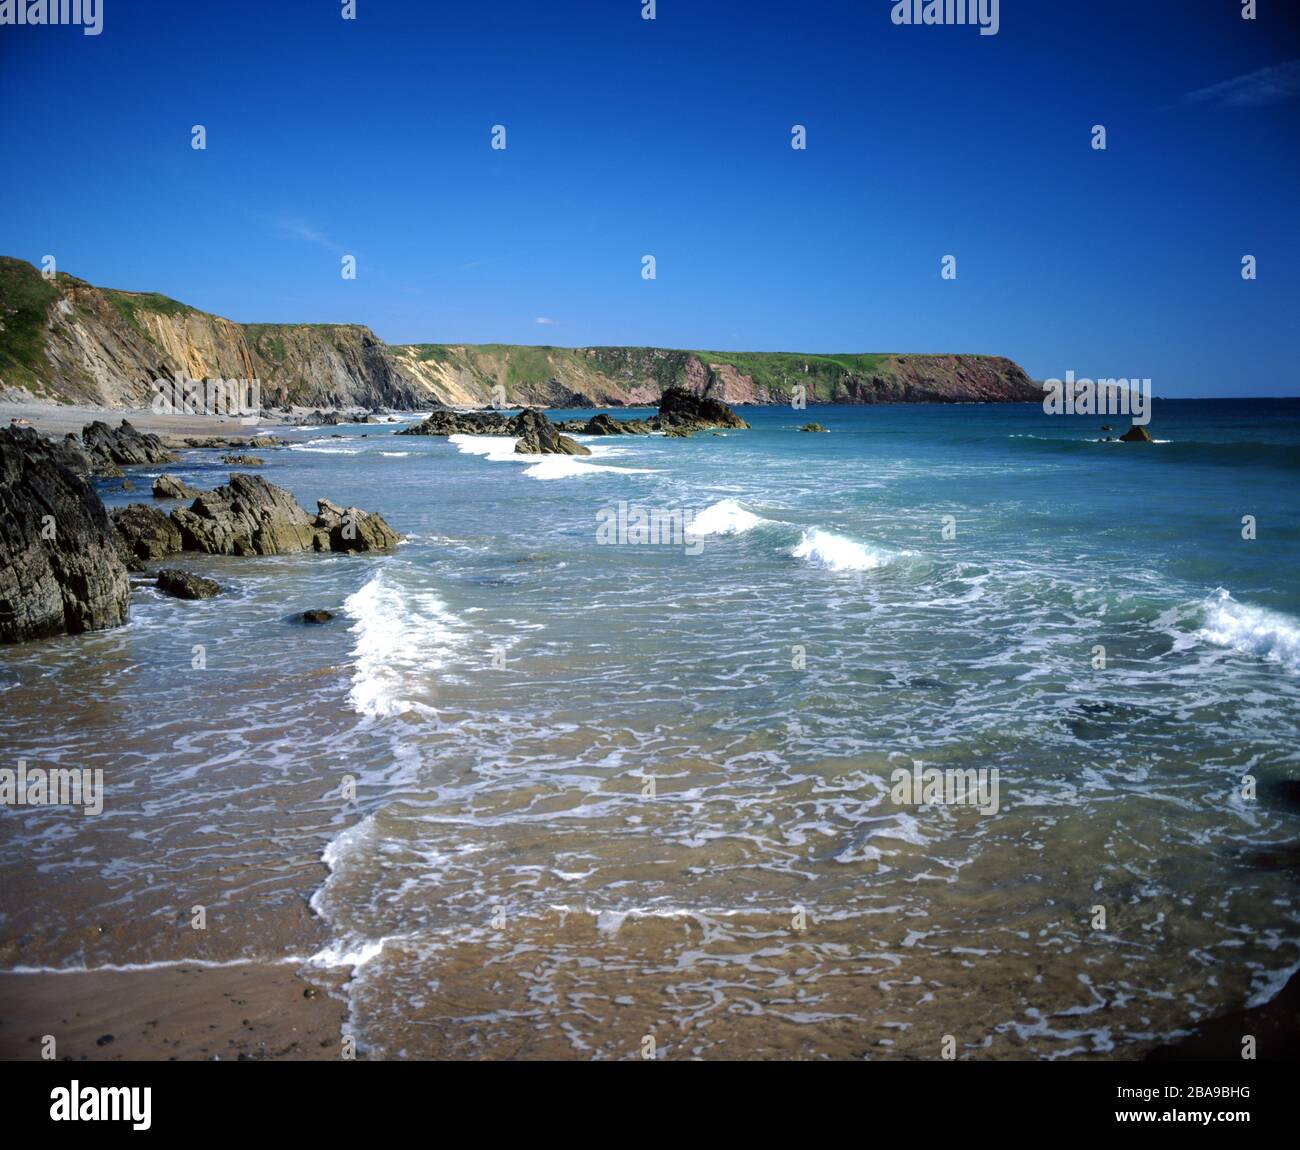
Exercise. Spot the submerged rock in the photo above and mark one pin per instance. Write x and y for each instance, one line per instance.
(60, 570)
(812, 427)
(186, 585)
(316, 616)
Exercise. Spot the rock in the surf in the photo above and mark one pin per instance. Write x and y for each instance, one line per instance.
(144, 533)
(683, 409)
(169, 487)
(249, 516)
(186, 585)
(60, 570)
(537, 436)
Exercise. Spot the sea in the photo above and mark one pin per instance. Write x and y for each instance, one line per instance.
(614, 757)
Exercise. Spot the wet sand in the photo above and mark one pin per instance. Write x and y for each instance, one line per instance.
(181, 1013)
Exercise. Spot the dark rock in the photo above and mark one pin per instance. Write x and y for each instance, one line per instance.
(186, 585)
(603, 424)
(537, 436)
(60, 570)
(317, 616)
(461, 423)
(682, 408)
(351, 529)
(169, 487)
(144, 533)
(104, 1040)
(252, 517)
(123, 447)
(243, 460)
(1136, 434)
(812, 427)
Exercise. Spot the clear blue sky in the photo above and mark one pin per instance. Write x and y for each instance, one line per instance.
(671, 137)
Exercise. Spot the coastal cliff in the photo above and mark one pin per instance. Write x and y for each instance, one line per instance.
(68, 341)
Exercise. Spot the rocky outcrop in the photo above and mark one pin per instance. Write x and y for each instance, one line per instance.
(246, 517)
(316, 615)
(60, 571)
(351, 529)
(535, 433)
(683, 410)
(462, 423)
(112, 448)
(186, 585)
(169, 487)
(812, 427)
(1136, 434)
(603, 424)
(243, 460)
(537, 436)
(144, 534)
(249, 516)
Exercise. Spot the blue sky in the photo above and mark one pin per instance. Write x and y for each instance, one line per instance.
(671, 137)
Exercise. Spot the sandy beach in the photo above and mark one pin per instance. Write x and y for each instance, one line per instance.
(59, 419)
(184, 1013)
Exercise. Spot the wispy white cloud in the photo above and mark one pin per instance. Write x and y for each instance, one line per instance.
(1274, 85)
(544, 319)
(300, 230)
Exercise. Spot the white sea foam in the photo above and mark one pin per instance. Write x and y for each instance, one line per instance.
(1251, 630)
(838, 552)
(498, 448)
(726, 517)
(501, 449)
(402, 635)
(326, 445)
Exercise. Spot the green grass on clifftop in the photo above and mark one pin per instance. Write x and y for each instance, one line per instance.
(25, 299)
(131, 305)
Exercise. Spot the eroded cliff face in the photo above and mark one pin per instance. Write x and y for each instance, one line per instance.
(69, 341)
(329, 365)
